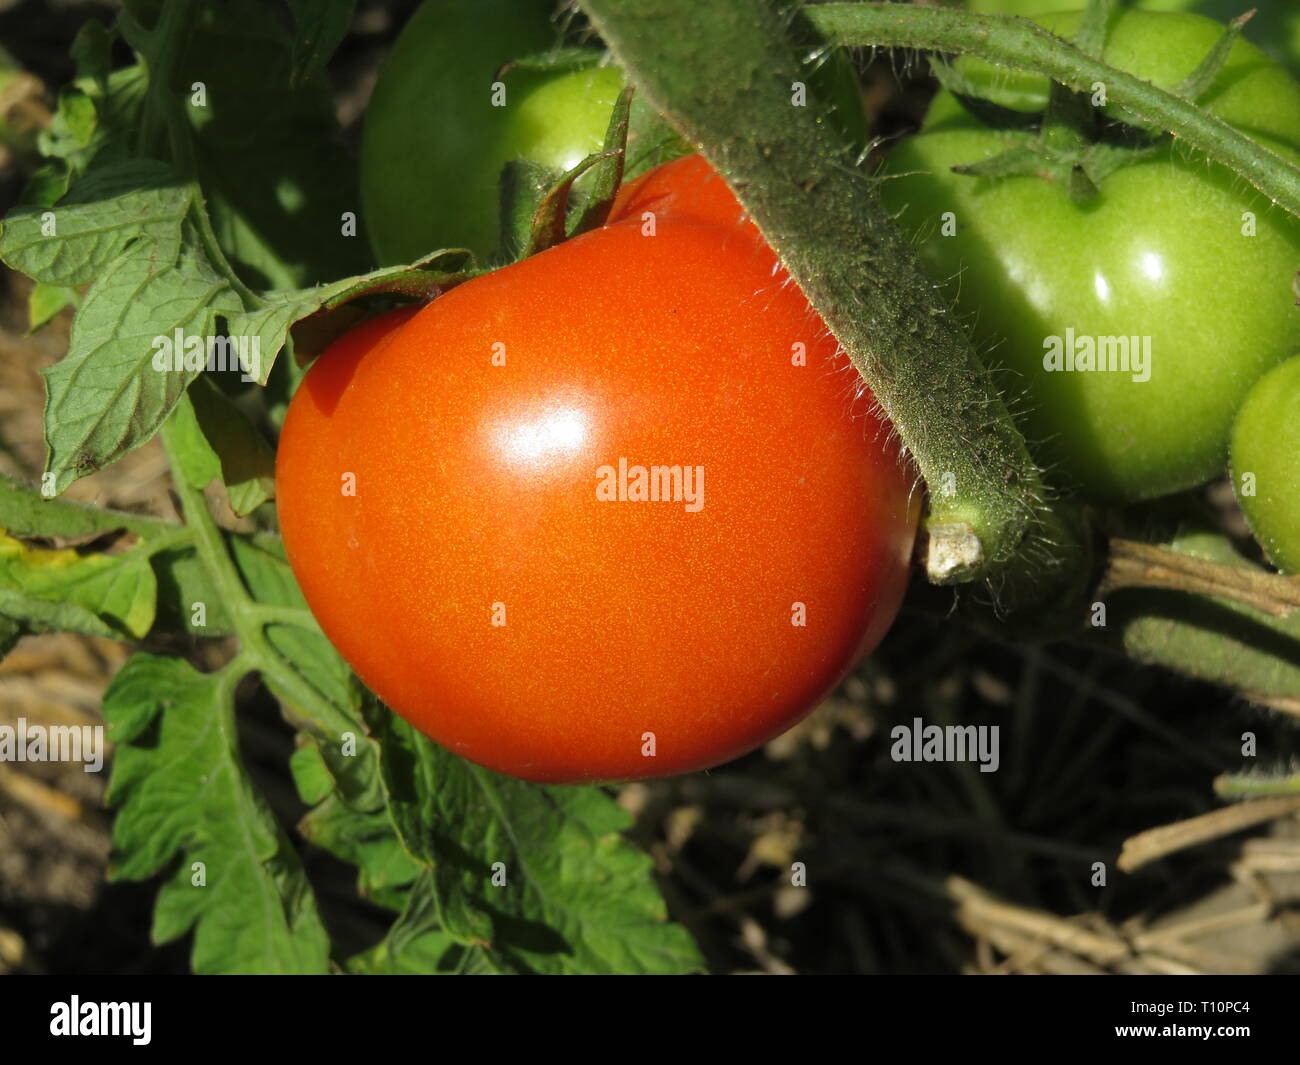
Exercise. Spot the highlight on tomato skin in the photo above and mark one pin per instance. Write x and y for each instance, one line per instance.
(620, 510)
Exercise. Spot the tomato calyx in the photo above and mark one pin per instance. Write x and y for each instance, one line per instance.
(423, 279)
(1072, 140)
(540, 207)
(555, 61)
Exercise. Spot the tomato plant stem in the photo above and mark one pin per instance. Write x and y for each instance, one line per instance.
(1021, 45)
(1256, 785)
(730, 86)
(1131, 564)
(1210, 633)
(249, 617)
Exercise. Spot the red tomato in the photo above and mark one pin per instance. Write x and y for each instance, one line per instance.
(496, 577)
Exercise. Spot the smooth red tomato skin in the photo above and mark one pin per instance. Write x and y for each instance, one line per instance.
(311, 461)
(476, 502)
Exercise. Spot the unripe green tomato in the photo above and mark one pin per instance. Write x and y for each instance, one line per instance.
(1266, 463)
(435, 142)
(1176, 260)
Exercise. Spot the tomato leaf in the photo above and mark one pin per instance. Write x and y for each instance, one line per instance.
(416, 942)
(104, 595)
(425, 278)
(181, 581)
(186, 806)
(414, 948)
(92, 52)
(108, 395)
(44, 302)
(542, 874)
(349, 818)
(23, 512)
(246, 459)
(136, 205)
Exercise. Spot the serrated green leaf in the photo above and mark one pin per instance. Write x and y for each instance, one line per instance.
(183, 582)
(543, 874)
(133, 204)
(269, 323)
(117, 102)
(426, 278)
(181, 578)
(53, 586)
(44, 302)
(47, 186)
(367, 841)
(108, 395)
(40, 615)
(417, 943)
(183, 798)
(192, 456)
(310, 775)
(25, 513)
(348, 818)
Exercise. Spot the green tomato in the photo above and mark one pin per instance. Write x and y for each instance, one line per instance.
(436, 136)
(1177, 274)
(434, 141)
(1275, 26)
(1266, 463)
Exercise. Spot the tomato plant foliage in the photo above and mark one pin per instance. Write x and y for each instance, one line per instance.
(169, 206)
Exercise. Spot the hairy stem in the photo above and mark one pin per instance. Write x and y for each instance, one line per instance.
(727, 83)
(1022, 45)
(1213, 634)
(249, 618)
(1136, 565)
